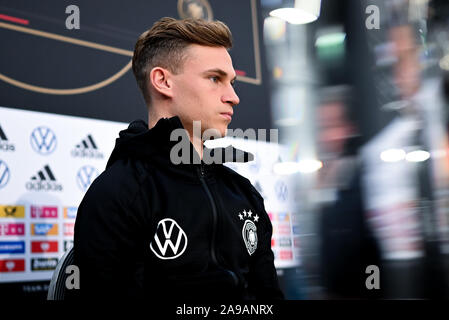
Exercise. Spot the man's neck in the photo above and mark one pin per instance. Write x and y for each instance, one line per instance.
(154, 117)
(197, 143)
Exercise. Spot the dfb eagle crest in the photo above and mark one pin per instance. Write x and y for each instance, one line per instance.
(249, 230)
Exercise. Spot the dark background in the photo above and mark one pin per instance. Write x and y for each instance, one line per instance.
(54, 64)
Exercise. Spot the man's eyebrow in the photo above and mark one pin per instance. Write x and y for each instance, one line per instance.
(220, 72)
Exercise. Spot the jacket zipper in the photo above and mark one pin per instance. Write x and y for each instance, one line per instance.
(214, 223)
(214, 214)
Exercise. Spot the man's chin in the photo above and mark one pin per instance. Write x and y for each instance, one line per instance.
(214, 133)
(224, 132)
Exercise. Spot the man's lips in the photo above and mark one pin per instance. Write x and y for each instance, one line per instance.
(227, 115)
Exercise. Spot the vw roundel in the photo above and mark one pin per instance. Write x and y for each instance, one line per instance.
(43, 140)
(169, 241)
(85, 176)
(4, 174)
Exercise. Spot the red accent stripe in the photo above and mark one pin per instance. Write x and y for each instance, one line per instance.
(14, 19)
(240, 72)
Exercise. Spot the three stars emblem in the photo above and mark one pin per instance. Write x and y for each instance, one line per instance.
(248, 214)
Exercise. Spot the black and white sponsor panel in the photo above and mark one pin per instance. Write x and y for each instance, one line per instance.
(46, 165)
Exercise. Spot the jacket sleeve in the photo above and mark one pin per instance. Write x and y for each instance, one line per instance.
(263, 280)
(107, 240)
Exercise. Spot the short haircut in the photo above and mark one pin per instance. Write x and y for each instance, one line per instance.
(164, 44)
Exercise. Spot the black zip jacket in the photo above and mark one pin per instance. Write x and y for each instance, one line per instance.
(148, 227)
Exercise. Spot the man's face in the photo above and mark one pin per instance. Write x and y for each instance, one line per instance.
(203, 91)
(407, 67)
(334, 129)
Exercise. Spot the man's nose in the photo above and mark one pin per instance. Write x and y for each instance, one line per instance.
(231, 97)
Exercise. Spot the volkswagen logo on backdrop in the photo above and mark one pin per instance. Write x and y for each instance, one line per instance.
(85, 176)
(43, 140)
(254, 166)
(4, 174)
(281, 190)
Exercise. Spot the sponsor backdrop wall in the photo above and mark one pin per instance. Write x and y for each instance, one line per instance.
(46, 166)
(64, 102)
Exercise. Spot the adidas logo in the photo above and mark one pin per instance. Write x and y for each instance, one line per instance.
(87, 149)
(44, 180)
(41, 174)
(2, 135)
(4, 144)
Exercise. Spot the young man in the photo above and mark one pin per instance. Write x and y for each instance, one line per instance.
(150, 225)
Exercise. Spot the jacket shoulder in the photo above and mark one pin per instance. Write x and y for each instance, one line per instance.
(244, 182)
(122, 180)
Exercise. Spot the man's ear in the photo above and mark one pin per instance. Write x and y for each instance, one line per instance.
(160, 80)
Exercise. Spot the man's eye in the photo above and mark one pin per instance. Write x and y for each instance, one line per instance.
(214, 78)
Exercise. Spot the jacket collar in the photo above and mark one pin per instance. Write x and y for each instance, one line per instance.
(140, 142)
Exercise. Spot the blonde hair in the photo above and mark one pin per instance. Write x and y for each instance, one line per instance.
(164, 44)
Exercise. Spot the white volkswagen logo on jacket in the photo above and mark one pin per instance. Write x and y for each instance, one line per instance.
(173, 237)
